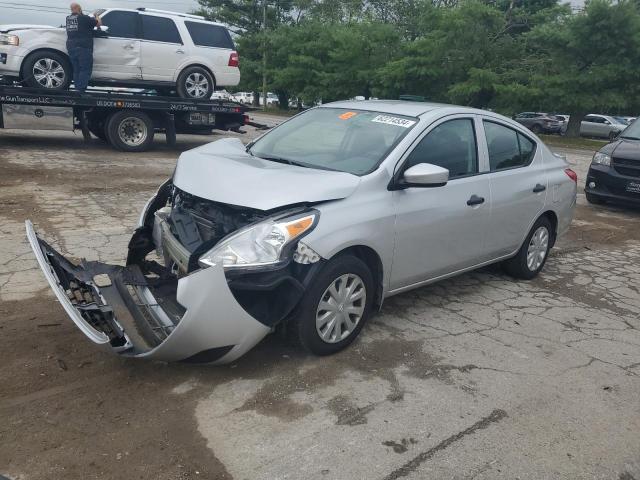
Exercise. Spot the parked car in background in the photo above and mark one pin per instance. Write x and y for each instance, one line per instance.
(564, 122)
(143, 48)
(313, 225)
(614, 174)
(539, 122)
(221, 95)
(272, 100)
(243, 97)
(601, 126)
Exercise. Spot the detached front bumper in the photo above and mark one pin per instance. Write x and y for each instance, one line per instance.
(195, 319)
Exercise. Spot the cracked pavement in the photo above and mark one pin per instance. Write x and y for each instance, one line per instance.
(476, 377)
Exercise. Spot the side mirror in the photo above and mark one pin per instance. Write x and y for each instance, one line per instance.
(103, 28)
(425, 175)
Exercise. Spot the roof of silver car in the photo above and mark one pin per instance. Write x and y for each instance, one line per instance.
(397, 107)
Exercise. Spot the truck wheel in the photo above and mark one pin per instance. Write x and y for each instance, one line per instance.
(335, 307)
(47, 70)
(130, 131)
(196, 83)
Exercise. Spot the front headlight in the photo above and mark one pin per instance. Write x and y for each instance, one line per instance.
(9, 40)
(260, 244)
(602, 159)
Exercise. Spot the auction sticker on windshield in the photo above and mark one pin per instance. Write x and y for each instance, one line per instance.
(347, 115)
(397, 121)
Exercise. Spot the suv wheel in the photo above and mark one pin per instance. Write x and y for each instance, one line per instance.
(533, 253)
(130, 131)
(196, 83)
(47, 70)
(335, 307)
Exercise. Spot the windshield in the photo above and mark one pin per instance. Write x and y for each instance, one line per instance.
(352, 141)
(632, 132)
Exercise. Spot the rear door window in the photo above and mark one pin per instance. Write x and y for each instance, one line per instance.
(121, 24)
(507, 147)
(160, 29)
(207, 35)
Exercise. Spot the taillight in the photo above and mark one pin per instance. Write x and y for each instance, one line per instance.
(571, 174)
(234, 60)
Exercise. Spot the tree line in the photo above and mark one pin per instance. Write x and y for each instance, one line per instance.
(504, 55)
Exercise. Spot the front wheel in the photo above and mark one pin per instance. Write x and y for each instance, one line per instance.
(533, 253)
(196, 83)
(335, 307)
(130, 131)
(47, 70)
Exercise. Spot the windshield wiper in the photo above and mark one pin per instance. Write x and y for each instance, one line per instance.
(629, 138)
(288, 161)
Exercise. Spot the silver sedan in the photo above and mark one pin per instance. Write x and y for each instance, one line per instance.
(314, 224)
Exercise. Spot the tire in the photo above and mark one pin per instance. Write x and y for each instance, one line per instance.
(130, 131)
(344, 271)
(47, 70)
(519, 266)
(536, 129)
(195, 83)
(594, 199)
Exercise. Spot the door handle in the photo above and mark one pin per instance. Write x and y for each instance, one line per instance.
(129, 46)
(180, 51)
(475, 200)
(539, 188)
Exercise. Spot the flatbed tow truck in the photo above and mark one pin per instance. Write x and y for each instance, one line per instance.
(127, 121)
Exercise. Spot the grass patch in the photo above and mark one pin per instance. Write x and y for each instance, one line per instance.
(571, 142)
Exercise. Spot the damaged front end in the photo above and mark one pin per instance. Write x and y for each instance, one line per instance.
(204, 281)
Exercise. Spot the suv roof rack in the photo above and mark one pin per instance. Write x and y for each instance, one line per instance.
(177, 14)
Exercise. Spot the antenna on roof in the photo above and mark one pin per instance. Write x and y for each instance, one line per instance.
(177, 14)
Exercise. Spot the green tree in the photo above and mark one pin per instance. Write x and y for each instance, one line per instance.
(584, 62)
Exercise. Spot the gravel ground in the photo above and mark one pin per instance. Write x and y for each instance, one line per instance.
(476, 377)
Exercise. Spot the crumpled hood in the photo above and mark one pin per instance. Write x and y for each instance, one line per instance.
(224, 172)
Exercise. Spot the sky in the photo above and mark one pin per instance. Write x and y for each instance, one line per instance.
(53, 12)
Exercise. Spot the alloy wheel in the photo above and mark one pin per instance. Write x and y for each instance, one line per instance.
(341, 308)
(197, 85)
(49, 73)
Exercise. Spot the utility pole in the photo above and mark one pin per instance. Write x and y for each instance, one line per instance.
(264, 54)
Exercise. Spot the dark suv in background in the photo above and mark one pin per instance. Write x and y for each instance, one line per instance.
(614, 173)
(539, 122)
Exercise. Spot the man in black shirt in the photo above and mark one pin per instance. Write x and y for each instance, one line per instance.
(80, 45)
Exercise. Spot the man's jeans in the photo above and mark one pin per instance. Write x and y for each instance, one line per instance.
(82, 63)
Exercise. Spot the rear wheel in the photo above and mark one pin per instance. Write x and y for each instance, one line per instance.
(47, 70)
(130, 131)
(195, 82)
(335, 307)
(533, 253)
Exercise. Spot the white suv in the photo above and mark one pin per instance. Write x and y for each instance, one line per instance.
(137, 48)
